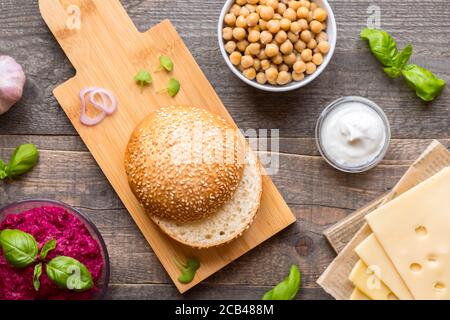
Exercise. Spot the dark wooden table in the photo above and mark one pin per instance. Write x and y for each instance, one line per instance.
(318, 195)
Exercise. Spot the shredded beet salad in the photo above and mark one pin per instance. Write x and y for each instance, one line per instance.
(73, 240)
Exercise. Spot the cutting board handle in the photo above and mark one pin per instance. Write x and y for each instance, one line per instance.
(84, 28)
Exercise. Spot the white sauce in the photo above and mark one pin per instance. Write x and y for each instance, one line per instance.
(353, 134)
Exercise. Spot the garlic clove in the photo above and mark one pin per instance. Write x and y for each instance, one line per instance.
(12, 81)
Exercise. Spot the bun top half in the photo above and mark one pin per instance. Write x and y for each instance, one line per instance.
(184, 163)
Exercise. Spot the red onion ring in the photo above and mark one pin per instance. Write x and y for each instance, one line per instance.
(107, 106)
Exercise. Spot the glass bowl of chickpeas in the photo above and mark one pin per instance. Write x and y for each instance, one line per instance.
(277, 45)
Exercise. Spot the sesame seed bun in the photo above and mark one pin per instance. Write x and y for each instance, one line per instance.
(184, 164)
(230, 222)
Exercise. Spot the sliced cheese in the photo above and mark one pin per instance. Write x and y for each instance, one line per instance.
(414, 230)
(358, 295)
(365, 280)
(372, 253)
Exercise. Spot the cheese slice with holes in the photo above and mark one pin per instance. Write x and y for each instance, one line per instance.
(358, 295)
(372, 253)
(365, 279)
(414, 231)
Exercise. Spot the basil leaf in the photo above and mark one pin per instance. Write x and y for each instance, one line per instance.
(69, 273)
(287, 289)
(425, 83)
(3, 174)
(143, 78)
(49, 246)
(174, 87)
(392, 72)
(188, 270)
(23, 160)
(382, 45)
(19, 248)
(166, 63)
(37, 274)
(404, 57)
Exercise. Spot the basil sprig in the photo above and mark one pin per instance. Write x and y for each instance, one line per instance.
(287, 289)
(36, 275)
(21, 250)
(69, 273)
(187, 270)
(24, 158)
(384, 48)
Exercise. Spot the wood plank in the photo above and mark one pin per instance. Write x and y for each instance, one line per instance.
(295, 113)
(202, 292)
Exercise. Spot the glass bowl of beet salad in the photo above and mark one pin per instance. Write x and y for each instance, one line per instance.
(50, 251)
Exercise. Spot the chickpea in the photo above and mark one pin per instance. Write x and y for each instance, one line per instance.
(283, 78)
(290, 14)
(316, 26)
(272, 3)
(312, 44)
(230, 46)
(295, 27)
(323, 47)
(306, 55)
(240, 68)
(306, 36)
(299, 67)
(235, 9)
(261, 78)
(313, 6)
(252, 19)
(290, 59)
(244, 12)
(294, 5)
(302, 13)
(235, 58)
(293, 37)
(303, 24)
(262, 24)
(227, 33)
(320, 14)
(277, 16)
(251, 8)
(317, 59)
(241, 22)
(281, 8)
(310, 68)
(239, 33)
(322, 37)
(271, 50)
(302, 3)
(266, 13)
(271, 74)
(287, 47)
(300, 45)
(257, 64)
(273, 26)
(310, 17)
(307, 4)
(254, 36)
(241, 2)
(247, 61)
(262, 55)
(252, 2)
(265, 64)
(254, 48)
(298, 76)
(285, 24)
(230, 19)
(278, 59)
(283, 67)
(281, 36)
(266, 37)
(242, 45)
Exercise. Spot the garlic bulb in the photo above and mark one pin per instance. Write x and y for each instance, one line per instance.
(12, 80)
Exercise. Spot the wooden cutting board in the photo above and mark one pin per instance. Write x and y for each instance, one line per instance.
(107, 51)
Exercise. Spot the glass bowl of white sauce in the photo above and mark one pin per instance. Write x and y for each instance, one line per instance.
(353, 134)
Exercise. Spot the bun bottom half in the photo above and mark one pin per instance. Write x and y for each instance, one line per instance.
(230, 222)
